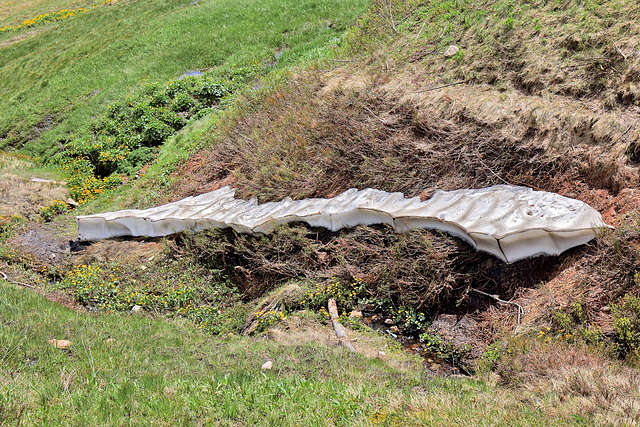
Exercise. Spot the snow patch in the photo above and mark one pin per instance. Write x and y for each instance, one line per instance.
(506, 221)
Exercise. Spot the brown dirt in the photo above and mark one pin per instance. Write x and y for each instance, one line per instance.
(44, 245)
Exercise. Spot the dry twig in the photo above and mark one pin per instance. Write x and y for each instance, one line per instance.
(495, 297)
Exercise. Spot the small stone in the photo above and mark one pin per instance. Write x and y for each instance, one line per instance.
(429, 360)
(137, 309)
(355, 314)
(451, 51)
(394, 330)
(61, 344)
(389, 322)
(110, 341)
(605, 309)
(267, 365)
(381, 354)
(143, 267)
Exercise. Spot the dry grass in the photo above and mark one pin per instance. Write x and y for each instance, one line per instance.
(302, 329)
(583, 381)
(20, 196)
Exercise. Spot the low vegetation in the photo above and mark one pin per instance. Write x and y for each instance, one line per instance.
(539, 93)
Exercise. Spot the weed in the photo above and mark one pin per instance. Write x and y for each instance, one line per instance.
(447, 351)
(626, 323)
(101, 288)
(347, 295)
(8, 224)
(57, 207)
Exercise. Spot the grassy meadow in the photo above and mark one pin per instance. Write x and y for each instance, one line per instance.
(138, 370)
(306, 99)
(57, 75)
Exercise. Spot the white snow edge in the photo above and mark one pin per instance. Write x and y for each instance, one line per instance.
(506, 221)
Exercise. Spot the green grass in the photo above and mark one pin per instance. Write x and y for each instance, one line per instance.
(58, 77)
(14, 12)
(169, 373)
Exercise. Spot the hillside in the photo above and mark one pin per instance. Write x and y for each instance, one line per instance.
(410, 97)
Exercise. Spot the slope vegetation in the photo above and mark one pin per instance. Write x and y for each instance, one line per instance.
(417, 96)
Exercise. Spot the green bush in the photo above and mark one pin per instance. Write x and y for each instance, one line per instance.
(626, 323)
(126, 136)
(57, 207)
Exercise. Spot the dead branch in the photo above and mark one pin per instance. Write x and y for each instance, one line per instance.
(440, 87)
(26, 285)
(341, 333)
(619, 51)
(495, 297)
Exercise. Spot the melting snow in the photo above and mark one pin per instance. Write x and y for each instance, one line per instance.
(509, 222)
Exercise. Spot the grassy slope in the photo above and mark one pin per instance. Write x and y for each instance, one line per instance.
(60, 74)
(158, 371)
(364, 123)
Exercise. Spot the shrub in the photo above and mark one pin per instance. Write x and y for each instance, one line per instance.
(57, 207)
(123, 139)
(626, 323)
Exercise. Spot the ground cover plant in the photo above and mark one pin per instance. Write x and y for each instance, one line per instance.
(15, 12)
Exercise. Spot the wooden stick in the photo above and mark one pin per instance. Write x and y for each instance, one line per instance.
(26, 285)
(341, 332)
(439, 87)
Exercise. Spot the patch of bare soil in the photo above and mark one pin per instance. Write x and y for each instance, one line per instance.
(124, 251)
(44, 245)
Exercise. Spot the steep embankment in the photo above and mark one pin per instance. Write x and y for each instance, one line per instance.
(541, 94)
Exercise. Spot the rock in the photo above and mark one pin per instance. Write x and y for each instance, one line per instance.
(110, 341)
(394, 330)
(137, 309)
(355, 314)
(605, 309)
(451, 51)
(389, 322)
(72, 202)
(429, 360)
(381, 354)
(143, 267)
(267, 365)
(61, 344)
